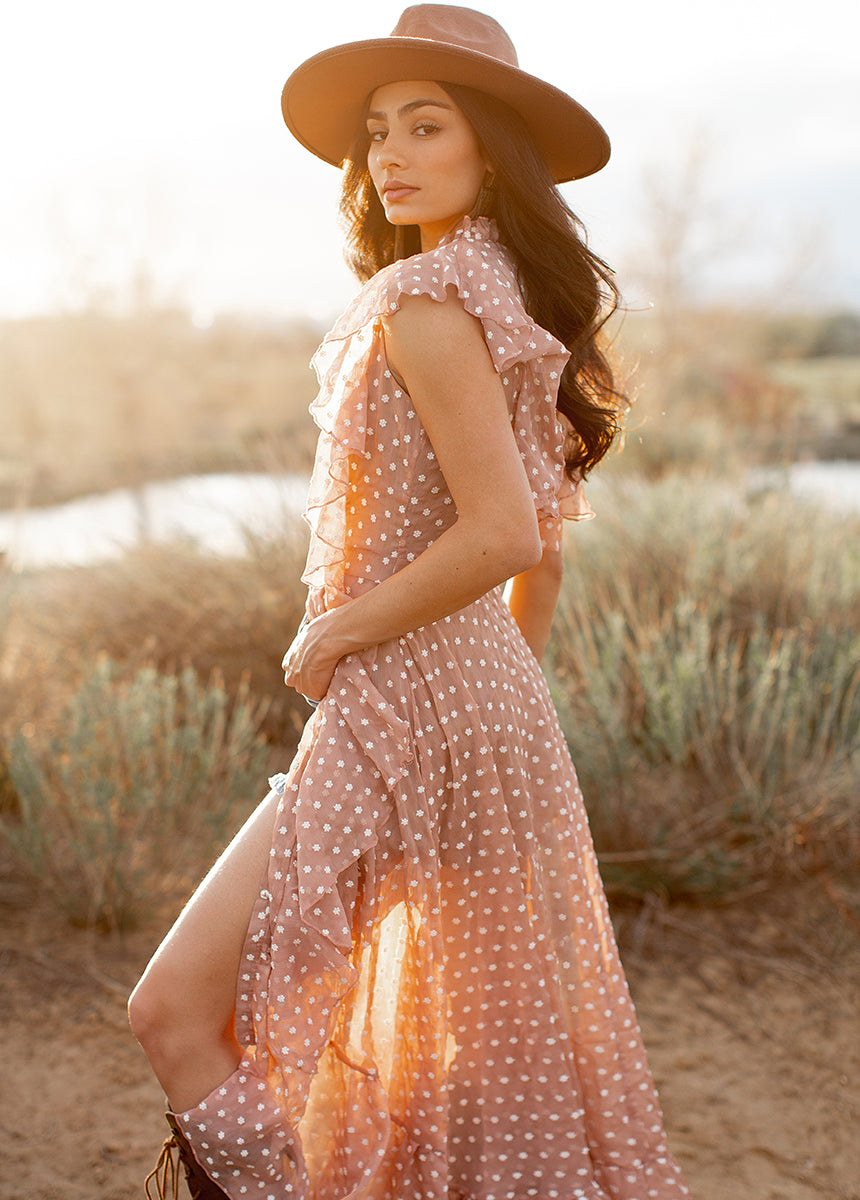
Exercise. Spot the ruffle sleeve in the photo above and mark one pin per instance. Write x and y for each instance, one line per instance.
(484, 278)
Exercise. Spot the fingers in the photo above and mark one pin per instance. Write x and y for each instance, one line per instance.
(310, 687)
(314, 606)
(288, 662)
(309, 664)
(291, 663)
(310, 680)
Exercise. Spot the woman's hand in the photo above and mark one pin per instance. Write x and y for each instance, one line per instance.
(315, 605)
(311, 659)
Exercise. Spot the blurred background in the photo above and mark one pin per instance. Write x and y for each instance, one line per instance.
(144, 146)
(169, 260)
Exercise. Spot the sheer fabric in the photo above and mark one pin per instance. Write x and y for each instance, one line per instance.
(430, 997)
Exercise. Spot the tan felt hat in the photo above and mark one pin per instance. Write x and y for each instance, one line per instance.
(323, 100)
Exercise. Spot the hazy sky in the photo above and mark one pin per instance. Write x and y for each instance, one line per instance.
(148, 138)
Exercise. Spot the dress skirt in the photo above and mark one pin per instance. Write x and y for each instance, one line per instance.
(431, 998)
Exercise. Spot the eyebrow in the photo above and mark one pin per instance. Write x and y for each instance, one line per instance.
(408, 108)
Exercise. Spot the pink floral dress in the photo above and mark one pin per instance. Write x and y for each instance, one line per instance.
(430, 999)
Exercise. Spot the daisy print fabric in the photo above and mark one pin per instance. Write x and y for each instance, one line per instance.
(430, 998)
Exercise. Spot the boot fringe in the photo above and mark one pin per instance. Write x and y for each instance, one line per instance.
(164, 1176)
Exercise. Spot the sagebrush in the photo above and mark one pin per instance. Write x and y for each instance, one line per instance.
(135, 790)
(706, 666)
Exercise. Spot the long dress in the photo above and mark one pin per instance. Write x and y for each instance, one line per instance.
(430, 999)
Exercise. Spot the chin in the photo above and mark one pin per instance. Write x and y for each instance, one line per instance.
(401, 216)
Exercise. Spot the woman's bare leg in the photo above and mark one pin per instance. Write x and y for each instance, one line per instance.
(182, 1009)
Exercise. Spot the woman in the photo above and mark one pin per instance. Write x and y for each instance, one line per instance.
(400, 981)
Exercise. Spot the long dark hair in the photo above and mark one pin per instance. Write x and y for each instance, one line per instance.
(566, 288)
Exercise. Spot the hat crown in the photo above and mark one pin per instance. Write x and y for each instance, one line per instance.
(456, 26)
(324, 101)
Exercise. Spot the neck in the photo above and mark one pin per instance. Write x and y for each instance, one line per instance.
(432, 235)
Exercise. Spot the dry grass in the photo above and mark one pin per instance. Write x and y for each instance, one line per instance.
(166, 607)
(91, 402)
(707, 668)
(705, 398)
(116, 787)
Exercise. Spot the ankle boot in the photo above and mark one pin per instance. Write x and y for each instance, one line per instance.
(165, 1175)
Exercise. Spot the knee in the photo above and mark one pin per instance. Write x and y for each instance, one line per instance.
(148, 1013)
(170, 1022)
(159, 1012)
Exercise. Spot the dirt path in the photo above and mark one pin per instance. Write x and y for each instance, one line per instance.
(750, 1015)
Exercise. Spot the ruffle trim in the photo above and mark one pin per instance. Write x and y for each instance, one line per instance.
(340, 410)
(572, 502)
(327, 847)
(473, 262)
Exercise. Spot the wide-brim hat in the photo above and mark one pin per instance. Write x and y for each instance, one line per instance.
(323, 100)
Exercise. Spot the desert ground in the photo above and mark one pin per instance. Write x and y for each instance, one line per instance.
(751, 1014)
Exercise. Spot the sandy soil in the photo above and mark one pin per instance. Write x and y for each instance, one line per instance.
(751, 1014)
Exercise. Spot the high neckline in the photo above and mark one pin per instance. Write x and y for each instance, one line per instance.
(479, 229)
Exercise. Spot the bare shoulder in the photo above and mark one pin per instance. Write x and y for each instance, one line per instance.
(425, 333)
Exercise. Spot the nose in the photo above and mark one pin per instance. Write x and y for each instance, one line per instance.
(390, 152)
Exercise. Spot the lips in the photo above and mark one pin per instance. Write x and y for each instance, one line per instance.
(394, 190)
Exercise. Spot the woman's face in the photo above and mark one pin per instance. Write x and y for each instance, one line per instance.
(424, 158)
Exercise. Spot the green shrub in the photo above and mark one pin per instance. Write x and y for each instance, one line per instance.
(706, 666)
(134, 790)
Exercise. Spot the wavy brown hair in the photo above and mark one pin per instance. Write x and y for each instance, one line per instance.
(566, 288)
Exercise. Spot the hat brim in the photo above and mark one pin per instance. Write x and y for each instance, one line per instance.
(323, 100)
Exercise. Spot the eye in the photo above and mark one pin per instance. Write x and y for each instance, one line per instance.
(426, 128)
(377, 135)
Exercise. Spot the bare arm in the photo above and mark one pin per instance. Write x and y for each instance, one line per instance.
(532, 598)
(440, 353)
